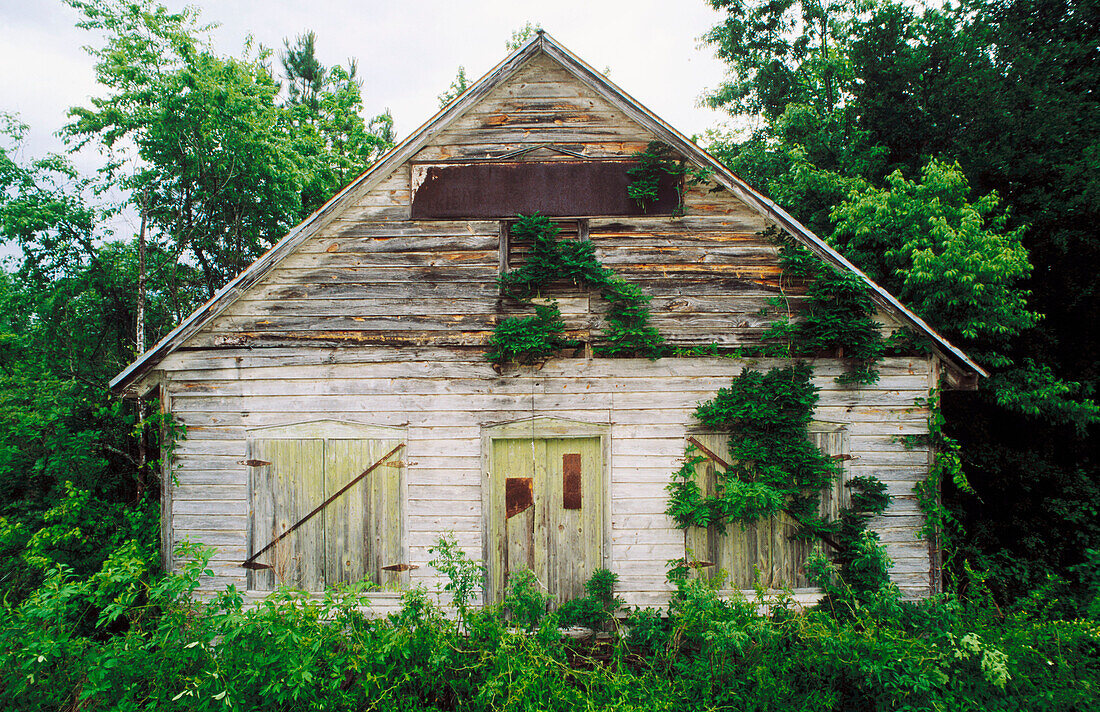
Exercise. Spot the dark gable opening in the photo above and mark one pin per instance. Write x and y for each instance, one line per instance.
(553, 188)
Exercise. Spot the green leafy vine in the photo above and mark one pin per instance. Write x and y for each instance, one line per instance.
(838, 318)
(939, 521)
(628, 332)
(773, 467)
(656, 161)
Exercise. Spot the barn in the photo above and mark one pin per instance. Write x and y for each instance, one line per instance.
(346, 372)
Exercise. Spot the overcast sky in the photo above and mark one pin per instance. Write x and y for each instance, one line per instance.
(408, 52)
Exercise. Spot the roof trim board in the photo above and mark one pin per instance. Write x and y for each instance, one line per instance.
(129, 380)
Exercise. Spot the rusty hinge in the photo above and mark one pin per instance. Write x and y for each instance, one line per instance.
(400, 567)
(253, 463)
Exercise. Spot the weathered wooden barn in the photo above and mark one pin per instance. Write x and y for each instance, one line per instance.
(360, 340)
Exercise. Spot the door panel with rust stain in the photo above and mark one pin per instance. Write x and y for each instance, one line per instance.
(546, 513)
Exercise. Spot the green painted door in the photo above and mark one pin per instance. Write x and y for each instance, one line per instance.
(546, 513)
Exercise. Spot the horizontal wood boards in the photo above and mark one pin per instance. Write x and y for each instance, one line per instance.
(444, 401)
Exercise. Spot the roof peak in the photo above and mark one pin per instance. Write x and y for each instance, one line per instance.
(541, 43)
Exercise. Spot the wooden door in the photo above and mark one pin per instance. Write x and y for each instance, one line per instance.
(364, 527)
(285, 488)
(358, 536)
(546, 513)
(765, 548)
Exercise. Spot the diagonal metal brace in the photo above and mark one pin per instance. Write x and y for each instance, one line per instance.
(251, 563)
(712, 456)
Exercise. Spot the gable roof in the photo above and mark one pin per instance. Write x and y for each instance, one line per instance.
(965, 370)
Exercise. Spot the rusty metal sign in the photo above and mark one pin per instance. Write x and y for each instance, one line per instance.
(571, 480)
(553, 188)
(518, 496)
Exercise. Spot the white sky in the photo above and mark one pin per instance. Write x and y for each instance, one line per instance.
(408, 52)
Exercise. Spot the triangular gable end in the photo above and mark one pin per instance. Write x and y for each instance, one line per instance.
(961, 372)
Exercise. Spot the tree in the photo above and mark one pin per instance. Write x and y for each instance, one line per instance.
(458, 86)
(872, 123)
(951, 260)
(225, 168)
(221, 179)
(323, 118)
(304, 73)
(520, 36)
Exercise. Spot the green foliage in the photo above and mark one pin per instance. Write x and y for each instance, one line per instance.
(597, 609)
(456, 89)
(529, 339)
(775, 467)
(952, 261)
(222, 168)
(464, 575)
(521, 35)
(123, 639)
(525, 600)
(550, 260)
(993, 99)
(837, 317)
(628, 332)
(780, 54)
(656, 161)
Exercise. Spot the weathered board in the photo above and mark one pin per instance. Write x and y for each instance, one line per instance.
(444, 404)
(358, 536)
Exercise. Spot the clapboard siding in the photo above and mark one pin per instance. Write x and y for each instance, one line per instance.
(444, 404)
(372, 276)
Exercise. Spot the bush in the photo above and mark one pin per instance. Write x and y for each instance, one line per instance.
(126, 638)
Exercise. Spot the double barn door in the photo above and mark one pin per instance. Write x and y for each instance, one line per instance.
(546, 513)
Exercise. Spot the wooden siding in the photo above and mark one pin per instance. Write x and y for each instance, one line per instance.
(372, 276)
(444, 398)
(382, 320)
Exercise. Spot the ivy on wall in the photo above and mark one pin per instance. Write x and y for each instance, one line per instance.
(775, 468)
(628, 332)
(837, 319)
(655, 162)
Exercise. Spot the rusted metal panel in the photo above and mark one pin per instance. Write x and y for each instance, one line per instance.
(554, 188)
(518, 495)
(571, 480)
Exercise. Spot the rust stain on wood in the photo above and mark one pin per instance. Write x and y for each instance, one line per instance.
(571, 480)
(518, 496)
(254, 463)
(400, 567)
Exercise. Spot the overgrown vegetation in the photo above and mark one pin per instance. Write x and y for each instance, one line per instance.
(657, 162)
(773, 467)
(554, 261)
(125, 639)
(947, 151)
(836, 318)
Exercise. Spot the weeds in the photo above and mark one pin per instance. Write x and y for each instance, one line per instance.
(126, 639)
